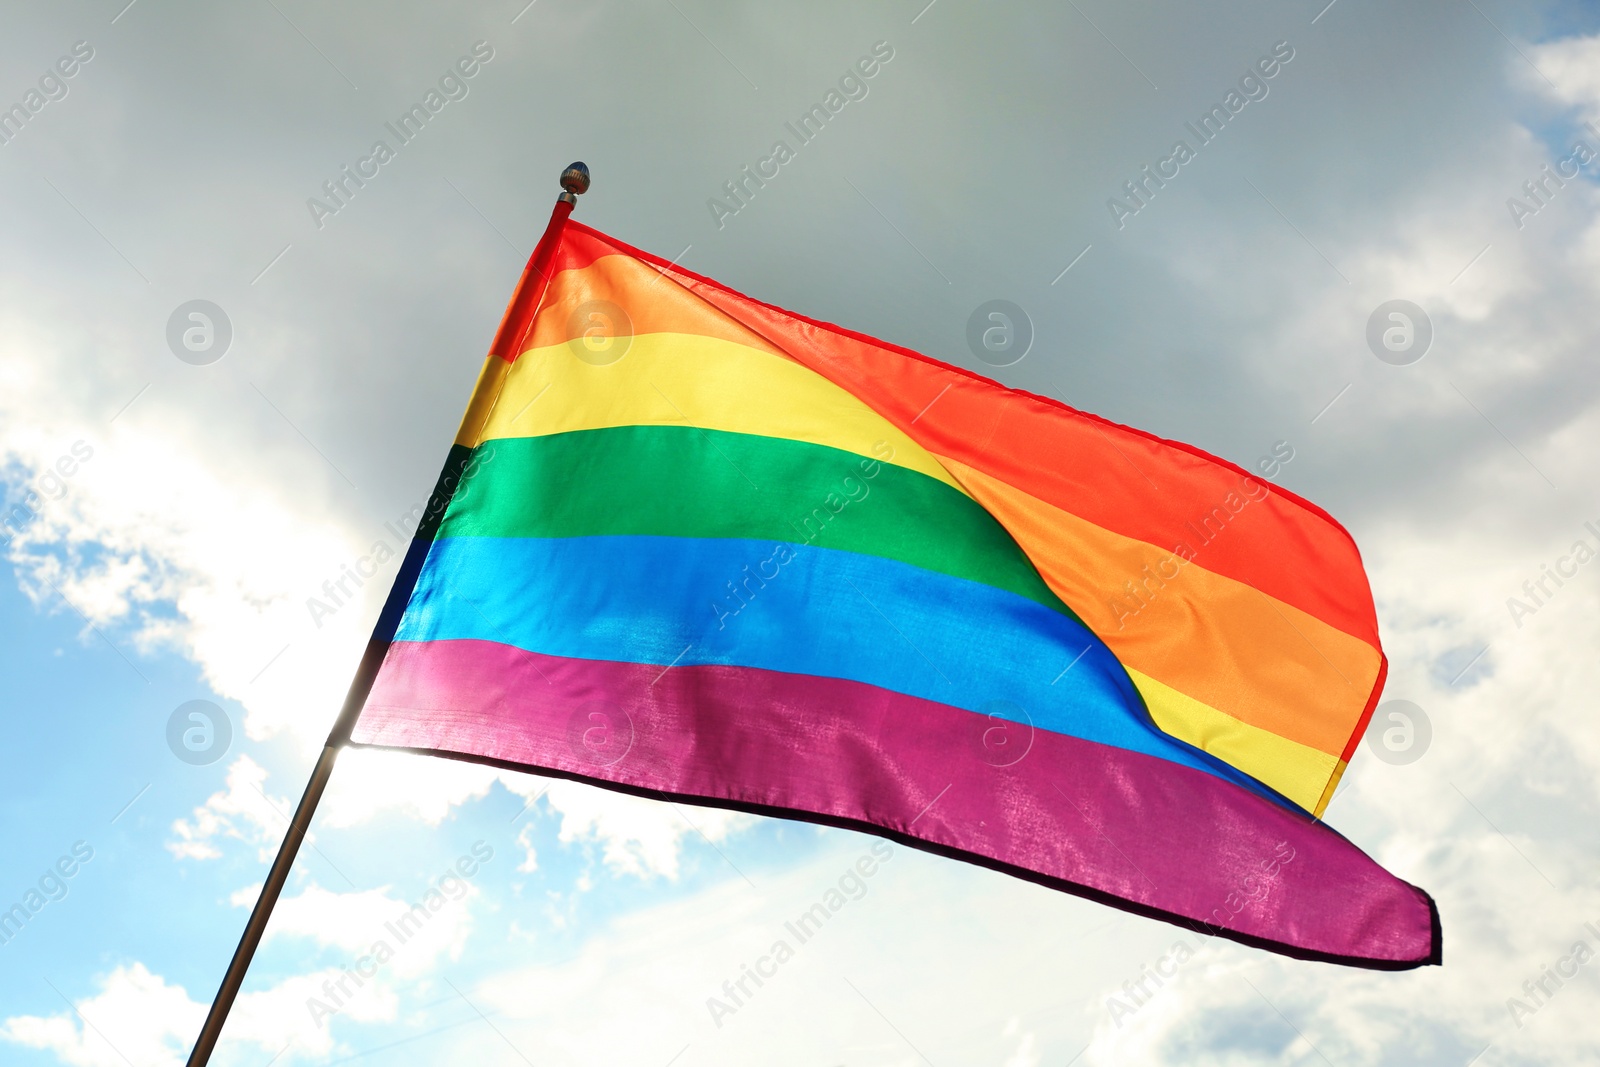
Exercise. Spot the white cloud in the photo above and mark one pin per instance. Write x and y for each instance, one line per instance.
(418, 933)
(281, 1017)
(162, 546)
(1026, 1055)
(977, 938)
(243, 812)
(530, 855)
(1573, 65)
(637, 837)
(136, 1017)
(367, 782)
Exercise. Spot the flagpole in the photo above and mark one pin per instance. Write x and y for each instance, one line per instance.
(514, 328)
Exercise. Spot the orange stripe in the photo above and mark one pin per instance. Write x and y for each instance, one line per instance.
(1214, 639)
(617, 297)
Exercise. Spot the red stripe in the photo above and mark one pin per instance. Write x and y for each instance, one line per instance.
(1136, 831)
(530, 290)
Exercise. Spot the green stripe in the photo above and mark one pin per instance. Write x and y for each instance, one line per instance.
(681, 481)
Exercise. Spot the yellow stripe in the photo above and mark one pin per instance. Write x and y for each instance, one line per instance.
(491, 379)
(666, 379)
(1297, 771)
(1333, 787)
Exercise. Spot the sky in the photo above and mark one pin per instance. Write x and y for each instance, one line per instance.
(192, 482)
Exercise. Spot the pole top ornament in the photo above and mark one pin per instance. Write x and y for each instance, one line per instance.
(574, 182)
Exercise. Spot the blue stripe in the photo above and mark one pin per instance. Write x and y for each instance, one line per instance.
(797, 609)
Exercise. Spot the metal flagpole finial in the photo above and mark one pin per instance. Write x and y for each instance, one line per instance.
(574, 183)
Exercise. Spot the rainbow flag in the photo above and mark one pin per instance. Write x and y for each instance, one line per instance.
(692, 546)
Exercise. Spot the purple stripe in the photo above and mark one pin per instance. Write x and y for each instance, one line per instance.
(1152, 835)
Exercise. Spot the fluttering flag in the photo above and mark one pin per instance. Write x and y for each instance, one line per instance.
(692, 546)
